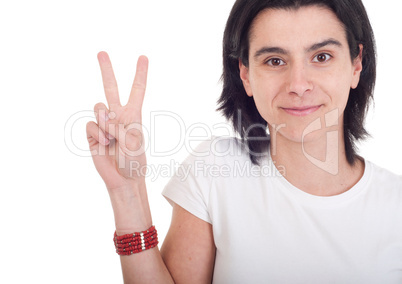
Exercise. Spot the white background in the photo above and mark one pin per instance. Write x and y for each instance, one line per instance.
(56, 219)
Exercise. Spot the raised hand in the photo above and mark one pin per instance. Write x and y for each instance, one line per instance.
(117, 148)
(116, 141)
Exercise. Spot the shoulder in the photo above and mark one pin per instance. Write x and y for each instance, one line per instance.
(385, 177)
(210, 160)
(385, 184)
(218, 158)
(218, 149)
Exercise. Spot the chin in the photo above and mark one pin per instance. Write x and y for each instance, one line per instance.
(298, 135)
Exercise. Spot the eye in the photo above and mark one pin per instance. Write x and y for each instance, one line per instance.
(322, 57)
(275, 62)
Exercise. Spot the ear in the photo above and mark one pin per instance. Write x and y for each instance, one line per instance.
(357, 68)
(244, 76)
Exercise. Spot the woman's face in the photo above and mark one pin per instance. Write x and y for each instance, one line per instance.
(300, 70)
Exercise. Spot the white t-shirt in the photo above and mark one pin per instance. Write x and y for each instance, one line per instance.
(268, 231)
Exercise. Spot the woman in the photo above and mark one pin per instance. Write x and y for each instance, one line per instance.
(296, 206)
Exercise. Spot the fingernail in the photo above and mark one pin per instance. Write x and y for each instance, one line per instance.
(106, 141)
(111, 115)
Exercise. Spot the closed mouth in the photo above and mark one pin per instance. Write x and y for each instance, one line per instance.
(301, 111)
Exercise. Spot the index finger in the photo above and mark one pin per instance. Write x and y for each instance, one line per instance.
(109, 80)
(139, 85)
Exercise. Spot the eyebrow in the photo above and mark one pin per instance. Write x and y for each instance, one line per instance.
(313, 47)
(319, 45)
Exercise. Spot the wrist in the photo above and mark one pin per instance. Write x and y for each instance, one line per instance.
(128, 186)
(130, 208)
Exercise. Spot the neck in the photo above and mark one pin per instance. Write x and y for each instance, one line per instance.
(317, 167)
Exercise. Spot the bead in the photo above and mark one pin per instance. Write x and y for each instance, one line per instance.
(136, 242)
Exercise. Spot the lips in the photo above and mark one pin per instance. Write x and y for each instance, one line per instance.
(301, 111)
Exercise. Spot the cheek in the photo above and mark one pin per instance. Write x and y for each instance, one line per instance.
(265, 93)
(336, 85)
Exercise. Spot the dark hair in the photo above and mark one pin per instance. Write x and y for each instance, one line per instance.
(241, 110)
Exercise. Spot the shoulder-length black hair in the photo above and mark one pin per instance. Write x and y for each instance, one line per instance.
(241, 110)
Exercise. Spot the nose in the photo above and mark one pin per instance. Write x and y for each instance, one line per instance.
(299, 80)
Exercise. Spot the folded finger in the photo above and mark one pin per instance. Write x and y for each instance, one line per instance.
(102, 117)
(100, 109)
(96, 135)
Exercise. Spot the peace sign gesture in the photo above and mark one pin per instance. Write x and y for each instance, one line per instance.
(116, 141)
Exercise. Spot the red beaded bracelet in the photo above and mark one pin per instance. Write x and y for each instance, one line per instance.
(136, 242)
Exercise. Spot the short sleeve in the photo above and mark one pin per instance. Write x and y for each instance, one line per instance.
(189, 187)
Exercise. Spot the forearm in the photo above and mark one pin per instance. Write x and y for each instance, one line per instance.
(132, 214)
